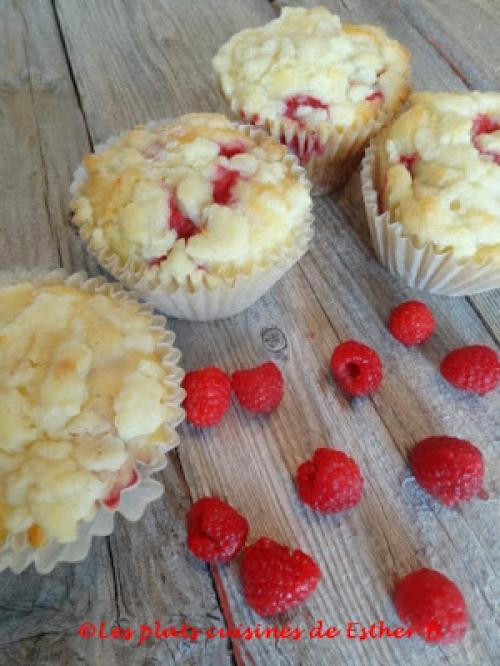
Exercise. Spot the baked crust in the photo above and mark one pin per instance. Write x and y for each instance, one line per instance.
(355, 71)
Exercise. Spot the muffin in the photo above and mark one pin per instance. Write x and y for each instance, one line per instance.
(90, 397)
(199, 215)
(322, 88)
(431, 184)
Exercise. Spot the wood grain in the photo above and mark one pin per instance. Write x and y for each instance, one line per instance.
(467, 42)
(157, 64)
(142, 572)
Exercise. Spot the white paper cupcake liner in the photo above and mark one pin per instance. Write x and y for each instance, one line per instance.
(419, 265)
(201, 302)
(341, 152)
(15, 554)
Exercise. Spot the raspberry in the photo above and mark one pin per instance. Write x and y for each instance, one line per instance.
(475, 368)
(112, 499)
(408, 161)
(448, 468)
(292, 104)
(179, 222)
(330, 482)
(225, 180)
(375, 95)
(235, 147)
(411, 323)
(276, 578)
(432, 604)
(483, 124)
(259, 389)
(356, 368)
(208, 394)
(216, 532)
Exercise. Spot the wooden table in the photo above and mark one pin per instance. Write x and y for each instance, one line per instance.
(73, 72)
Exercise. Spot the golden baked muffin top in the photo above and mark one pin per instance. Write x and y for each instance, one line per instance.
(84, 395)
(192, 200)
(438, 169)
(307, 66)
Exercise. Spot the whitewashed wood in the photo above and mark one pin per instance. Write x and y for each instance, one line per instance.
(339, 291)
(43, 136)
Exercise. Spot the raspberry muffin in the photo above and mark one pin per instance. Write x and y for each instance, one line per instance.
(431, 183)
(89, 399)
(199, 215)
(322, 88)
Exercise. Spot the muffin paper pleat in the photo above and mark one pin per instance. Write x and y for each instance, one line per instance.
(419, 265)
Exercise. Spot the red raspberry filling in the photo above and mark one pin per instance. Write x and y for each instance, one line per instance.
(408, 161)
(304, 152)
(252, 118)
(483, 124)
(375, 95)
(225, 181)
(293, 103)
(233, 148)
(179, 222)
(112, 499)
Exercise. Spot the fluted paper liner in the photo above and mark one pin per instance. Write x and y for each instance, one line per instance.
(229, 296)
(342, 151)
(419, 264)
(16, 554)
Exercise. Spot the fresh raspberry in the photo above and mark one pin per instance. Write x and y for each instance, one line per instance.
(411, 323)
(431, 603)
(208, 394)
(450, 469)
(232, 148)
(330, 482)
(259, 389)
(222, 187)
(356, 367)
(276, 578)
(179, 222)
(215, 531)
(292, 104)
(474, 368)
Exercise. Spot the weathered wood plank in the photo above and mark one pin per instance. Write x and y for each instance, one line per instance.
(142, 572)
(339, 291)
(430, 70)
(468, 42)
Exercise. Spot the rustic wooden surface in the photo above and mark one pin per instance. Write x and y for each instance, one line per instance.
(75, 72)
